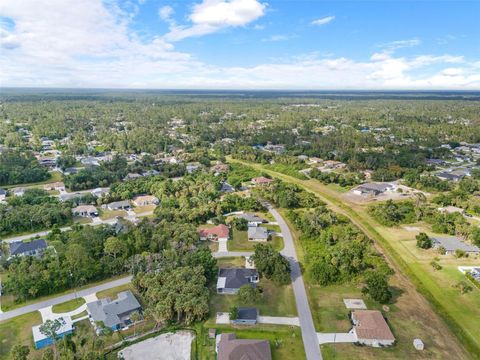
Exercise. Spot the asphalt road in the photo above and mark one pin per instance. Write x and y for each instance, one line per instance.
(60, 299)
(309, 335)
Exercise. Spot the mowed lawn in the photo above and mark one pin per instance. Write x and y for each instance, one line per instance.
(239, 242)
(455, 316)
(276, 301)
(68, 305)
(285, 341)
(17, 331)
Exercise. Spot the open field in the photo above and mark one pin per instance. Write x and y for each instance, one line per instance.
(107, 214)
(413, 310)
(276, 301)
(240, 242)
(142, 209)
(17, 331)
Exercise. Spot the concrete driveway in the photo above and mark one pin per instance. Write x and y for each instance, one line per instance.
(334, 338)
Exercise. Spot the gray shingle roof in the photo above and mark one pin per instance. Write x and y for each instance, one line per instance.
(454, 243)
(251, 218)
(114, 313)
(20, 247)
(247, 314)
(236, 278)
(259, 232)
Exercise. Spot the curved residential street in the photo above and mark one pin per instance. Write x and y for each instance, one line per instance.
(309, 335)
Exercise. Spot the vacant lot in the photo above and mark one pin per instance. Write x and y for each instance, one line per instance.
(169, 346)
(17, 331)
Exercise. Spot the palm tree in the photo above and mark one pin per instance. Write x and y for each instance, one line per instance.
(135, 316)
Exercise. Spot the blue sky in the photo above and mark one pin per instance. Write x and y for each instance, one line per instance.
(279, 44)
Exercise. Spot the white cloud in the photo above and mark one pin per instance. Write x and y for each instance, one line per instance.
(213, 15)
(165, 13)
(390, 47)
(323, 21)
(70, 43)
(275, 38)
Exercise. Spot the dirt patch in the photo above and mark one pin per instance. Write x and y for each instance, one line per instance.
(169, 346)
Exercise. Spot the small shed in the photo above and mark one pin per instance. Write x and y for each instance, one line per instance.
(212, 333)
(418, 343)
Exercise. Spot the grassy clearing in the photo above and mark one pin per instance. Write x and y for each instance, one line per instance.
(17, 331)
(285, 341)
(276, 301)
(231, 262)
(240, 242)
(54, 177)
(112, 293)
(107, 214)
(80, 315)
(413, 311)
(142, 209)
(68, 305)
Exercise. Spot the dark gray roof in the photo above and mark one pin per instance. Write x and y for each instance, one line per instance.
(3, 191)
(20, 247)
(119, 204)
(113, 313)
(247, 314)
(375, 187)
(236, 278)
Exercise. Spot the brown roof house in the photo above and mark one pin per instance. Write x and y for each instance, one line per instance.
(262, 180)
(371, 329)
(231, 348)
(218, 233)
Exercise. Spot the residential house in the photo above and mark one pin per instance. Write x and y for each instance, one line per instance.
(314, 160)
(373, 189)
(3, 194)
(70, 171)
(220, 232)
(452, 243)
(99, 192)
(371, 328)
(144, 200)
(232, 279)
(246, 316)
(252, 219)
(277, 149)
(118, 205)
(41, 340)
(448, 176)
(71, 196)
(31, 248)
(132, 176)
(192, 167)
(85, 211)
(58, 186)
(231, 348)
(227, 188)
(333, 164)
(150, 173)
(219, 168)
(261, 181)
(18, 191)
(115, 314)
(257, 233)
(90, 161)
